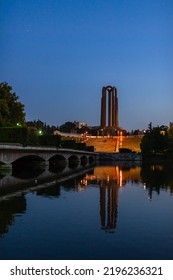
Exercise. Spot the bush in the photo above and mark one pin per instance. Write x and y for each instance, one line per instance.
(49, 140)
(68, 144)
(32, 136)
(90, 148)
(81, 146)
(72, 144)
(14, 135)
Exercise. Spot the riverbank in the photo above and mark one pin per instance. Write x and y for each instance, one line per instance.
(133, 156)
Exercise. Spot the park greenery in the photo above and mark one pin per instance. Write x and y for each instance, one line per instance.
(13, 126)
(157, 143)
(11, 109)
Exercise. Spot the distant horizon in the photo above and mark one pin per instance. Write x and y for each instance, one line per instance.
(141, 129)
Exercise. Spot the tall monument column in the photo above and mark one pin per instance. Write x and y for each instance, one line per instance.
(113, 106)
(103, 108)
(109, 113)
(110, 108)
(116, 109)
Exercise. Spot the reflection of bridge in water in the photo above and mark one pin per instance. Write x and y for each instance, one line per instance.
(109, 179)
(13, 190)
(10, 184)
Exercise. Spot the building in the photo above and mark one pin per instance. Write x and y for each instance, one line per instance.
(80, 124)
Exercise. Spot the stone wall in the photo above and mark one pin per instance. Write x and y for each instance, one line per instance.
(112, 144)
(131, 142)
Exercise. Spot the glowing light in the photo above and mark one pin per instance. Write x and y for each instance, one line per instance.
(121, 178)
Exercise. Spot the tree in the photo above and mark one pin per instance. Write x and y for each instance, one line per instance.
(11, 110)
(154, 142)
(150, 127)
(67, 127)
(41, 126)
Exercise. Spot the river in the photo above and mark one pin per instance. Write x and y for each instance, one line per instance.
(121, 211)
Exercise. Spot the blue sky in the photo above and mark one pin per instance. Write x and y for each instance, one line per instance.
(58, 54)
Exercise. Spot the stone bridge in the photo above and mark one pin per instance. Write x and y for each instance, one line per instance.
(9, 154)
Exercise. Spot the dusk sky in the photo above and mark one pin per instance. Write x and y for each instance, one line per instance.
(58, 54)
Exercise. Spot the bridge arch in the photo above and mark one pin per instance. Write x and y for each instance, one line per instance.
(83, 160)
(91, 159)
(57, 157)
(73, 161)
(33, 164)
(29, 158)
(57, 163)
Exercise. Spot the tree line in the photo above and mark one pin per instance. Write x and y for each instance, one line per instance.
(157, 143)
(15, 129)
(12, 114)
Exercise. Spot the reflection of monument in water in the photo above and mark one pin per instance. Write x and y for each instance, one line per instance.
(109, 185)
(110, 179)
(108, 204)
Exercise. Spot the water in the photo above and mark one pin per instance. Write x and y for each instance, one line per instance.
(105, 212)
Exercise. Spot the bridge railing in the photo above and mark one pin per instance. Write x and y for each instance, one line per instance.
(6, 146)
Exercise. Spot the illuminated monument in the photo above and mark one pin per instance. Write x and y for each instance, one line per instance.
(109, 108)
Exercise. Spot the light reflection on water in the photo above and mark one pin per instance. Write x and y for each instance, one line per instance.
(105, 212)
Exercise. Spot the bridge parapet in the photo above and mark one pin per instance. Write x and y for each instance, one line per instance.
(10, 153)
(27, 148)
